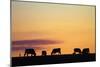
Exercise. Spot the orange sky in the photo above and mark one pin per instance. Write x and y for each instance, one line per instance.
(73, 25)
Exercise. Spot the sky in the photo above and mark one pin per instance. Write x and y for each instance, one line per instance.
(45, 26)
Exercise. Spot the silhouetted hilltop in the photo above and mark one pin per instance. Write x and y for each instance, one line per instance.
(52, 59)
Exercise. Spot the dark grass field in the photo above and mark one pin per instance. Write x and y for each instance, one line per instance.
(52, 59)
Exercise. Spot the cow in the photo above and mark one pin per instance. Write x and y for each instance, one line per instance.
(56, 50)
(86, 51)
(30, 51)
(44, 53)
(77, 50)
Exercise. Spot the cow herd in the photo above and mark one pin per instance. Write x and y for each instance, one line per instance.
(84, 51)
(55, 51)
(32, 52)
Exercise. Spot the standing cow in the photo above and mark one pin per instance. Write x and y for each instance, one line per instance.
(56, 50)
(29, 51)
(77, 50)
(44, 53)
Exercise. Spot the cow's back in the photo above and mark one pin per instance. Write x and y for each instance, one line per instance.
(29, 51)
(85, 50)
(77, 49)
(56, 50)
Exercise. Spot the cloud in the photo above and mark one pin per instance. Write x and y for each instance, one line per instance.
(35, 42)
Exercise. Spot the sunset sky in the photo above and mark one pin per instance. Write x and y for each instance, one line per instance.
(44, 26)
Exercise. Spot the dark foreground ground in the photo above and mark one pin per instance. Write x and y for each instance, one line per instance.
(38, 60)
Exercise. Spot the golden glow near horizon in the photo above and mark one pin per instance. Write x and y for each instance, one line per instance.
(74, 25)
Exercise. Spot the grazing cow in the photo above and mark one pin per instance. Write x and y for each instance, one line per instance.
(77, 50)
(30, 51)
(44, 53)
(56, 50)
(86, 51)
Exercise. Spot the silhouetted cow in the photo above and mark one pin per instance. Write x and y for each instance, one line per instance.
(44, 53)
(30, 51)
(56, 50)
(86, 51)
(77, 50)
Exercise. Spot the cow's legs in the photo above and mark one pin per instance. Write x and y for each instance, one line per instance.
(59, 53)
(74, 52)
(34, 54)
(27, 54)
(24, 54)
(79, 52)
(52, 53)
(31, 54)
